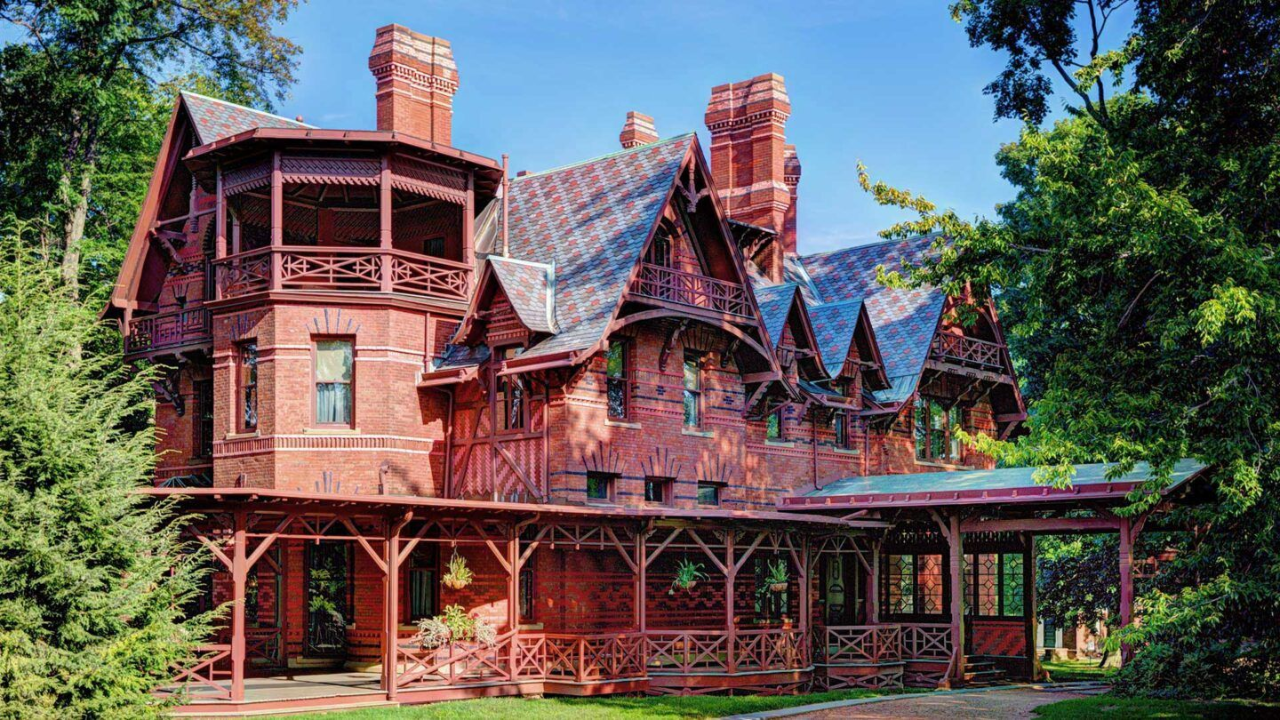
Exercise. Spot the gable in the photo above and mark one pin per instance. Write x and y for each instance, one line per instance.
(215, 119)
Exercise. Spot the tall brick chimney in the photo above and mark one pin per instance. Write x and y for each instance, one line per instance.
(748, 121)
(416, 79)
(638, 130)
(790, 176)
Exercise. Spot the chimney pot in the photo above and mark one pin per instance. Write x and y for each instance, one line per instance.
(416, 81)
(637, 130)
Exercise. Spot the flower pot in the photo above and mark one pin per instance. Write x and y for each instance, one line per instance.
(778, 587)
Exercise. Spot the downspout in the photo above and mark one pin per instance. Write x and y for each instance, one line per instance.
(448, 441)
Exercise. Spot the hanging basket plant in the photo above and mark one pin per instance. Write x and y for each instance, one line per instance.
(688, 573)
(777, 577)
(459, 575)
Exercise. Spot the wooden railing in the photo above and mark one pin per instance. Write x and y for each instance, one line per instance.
(342, 269)
(967, 351)
(458, 664)
(770, 649)
(657, 282)
(590, 658)
(176, 328)
(926, 642)
(677, 652)
(859, 644)
(209, 677)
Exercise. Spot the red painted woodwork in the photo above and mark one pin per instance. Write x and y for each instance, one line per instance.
(693, 290)
(170, 330)
(331, 270)
(964, 350)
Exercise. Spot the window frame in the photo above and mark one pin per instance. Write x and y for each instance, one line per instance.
(315, 381)
(972, 587)
(624, 349)
(773, 431)
(243, 349)
(924, 433)
(917, 597)
(202, 418)
(668, 490)
(610, 486)
(694, 357)
(840, 430)
(715, 488)
(502, 385)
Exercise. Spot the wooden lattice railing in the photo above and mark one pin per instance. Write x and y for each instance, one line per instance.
(458, 664)
(172, 329)
(657, 282)
(967, 351)
(859, 644)
(677, 652)
(590, 658)
(208, 677)
(770, 649)
(342, 269)
(926, 642)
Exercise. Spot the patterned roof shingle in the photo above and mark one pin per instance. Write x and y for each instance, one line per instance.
(904, 320)
(834, 325)
(591, 220)
(526, 284)
(775, 303)
(216, 119)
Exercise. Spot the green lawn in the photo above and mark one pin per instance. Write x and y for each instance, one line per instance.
(1077, 670)
(1114, 708)
(603, 708)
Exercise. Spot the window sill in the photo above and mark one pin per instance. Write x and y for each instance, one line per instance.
(331, 431)
(622, 424)
(697, 433)
(845, 451)
(780, 443)
(240, 436)
(944, 466)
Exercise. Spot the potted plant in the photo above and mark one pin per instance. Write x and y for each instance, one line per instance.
(453, 629)
(458, 575)
(688, 573)
(776, 577)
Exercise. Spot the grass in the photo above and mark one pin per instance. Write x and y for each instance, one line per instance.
(1077, 670)
(1115, 708)
(601, 708)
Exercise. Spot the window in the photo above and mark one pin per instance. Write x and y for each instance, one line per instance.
(708, 494)
(994, 584)
(769, 605)
(423, 573)
(599, 486)
(935, 436)
(333, 382)
(660, 251)
(913, 584)
(616, 373)
(247, 385)
(204, 418)
(692, 390)
(527, 604)
(840, 428)
(773, 425)
(657, 490)
(509, 397)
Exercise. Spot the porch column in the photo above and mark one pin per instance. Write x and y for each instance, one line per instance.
(1126, 583)
(469, 223)
(806, 598)
(239, 573)
(220, 219)
(384, 223)
(277, 219)
(640, 580)
(873, 587)
(1029, 600)
(391, 607)
(955, 542)
(513, 595)
(730, 574)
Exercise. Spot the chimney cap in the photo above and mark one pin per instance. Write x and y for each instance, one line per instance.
(637, 130)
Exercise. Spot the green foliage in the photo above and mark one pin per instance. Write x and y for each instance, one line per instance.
(459, 574)
(1136, 276)
(455, 625)
(91, 577)
(688, 573)
(1119, 708)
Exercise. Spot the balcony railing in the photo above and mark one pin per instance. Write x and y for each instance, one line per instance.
(189, 326)
(968, 351)
(690, 289)
(332, 269)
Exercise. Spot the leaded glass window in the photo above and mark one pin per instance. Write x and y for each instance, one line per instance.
(929, 584)
(901, 585)
(1011, 591)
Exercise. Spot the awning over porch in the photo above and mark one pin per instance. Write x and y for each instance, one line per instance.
(978, 487)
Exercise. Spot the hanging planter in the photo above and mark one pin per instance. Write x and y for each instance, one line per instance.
(459, 575)
(688, 574)
(777, 578)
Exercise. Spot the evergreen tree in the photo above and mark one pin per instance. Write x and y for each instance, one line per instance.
(93, 575)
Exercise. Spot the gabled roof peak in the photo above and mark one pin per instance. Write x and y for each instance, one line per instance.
(606, 156)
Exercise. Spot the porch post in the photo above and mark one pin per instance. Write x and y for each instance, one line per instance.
(277, 220)
(640, 580)
(391, 608)
(1029, 600)
(384, 223)
(956, 544)
(1126, 583)
(873, 587)
(220, 220)
(513, 594)
(730, 573)
(806, 599)
(239, 573)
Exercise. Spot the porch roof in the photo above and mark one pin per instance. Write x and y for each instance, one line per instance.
(977, 487)
(204, 497)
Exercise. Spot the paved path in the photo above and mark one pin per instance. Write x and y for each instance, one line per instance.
(1014, 703)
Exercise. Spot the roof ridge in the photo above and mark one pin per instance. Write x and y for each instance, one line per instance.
(867, 245)
(246, 107)
(522, 261)
(606, 156)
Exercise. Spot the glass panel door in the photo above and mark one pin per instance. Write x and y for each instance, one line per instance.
(328, 598)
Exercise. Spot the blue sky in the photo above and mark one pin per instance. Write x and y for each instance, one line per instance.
(894, 84)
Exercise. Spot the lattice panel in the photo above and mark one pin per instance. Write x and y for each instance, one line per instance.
(330, 170)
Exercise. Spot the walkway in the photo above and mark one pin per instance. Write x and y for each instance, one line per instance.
(1018, 702)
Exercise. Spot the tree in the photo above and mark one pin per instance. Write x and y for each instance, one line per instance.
(1137, 275)
(86, 72)
(93, 575)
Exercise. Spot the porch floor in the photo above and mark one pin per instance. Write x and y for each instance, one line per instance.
(299, 686)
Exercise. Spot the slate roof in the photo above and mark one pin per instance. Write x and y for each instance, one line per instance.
(591, 221)
(999, 480)
(904, 320)
(775, 303)
(834, 325)
(215, 119)
(526, 285)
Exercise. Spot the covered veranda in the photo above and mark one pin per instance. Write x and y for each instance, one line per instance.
(597, 614)
(972, 519)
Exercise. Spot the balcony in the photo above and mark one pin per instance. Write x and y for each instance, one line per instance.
(969, 352)
(670, 286)
(172, 331)
(341, 269)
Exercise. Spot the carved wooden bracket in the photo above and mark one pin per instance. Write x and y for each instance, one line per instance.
(670, 344)
(689, 189)
(167, 388)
